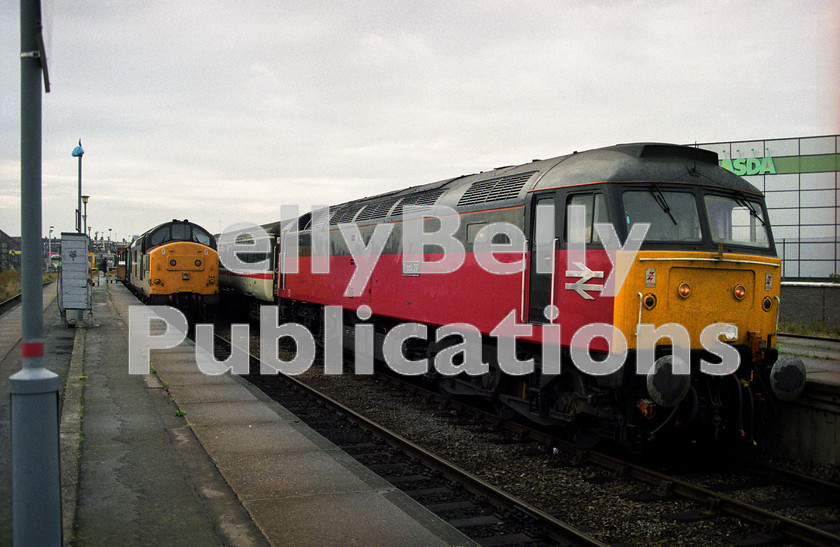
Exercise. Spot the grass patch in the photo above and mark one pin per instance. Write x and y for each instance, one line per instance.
(809, 328)
(10, 282)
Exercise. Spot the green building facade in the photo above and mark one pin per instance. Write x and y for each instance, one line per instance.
(800, 181)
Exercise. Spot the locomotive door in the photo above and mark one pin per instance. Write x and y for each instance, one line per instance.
(542, 246)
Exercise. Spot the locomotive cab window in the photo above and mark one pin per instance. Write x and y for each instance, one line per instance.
(736, 221)
(159, 237)
(181, 232)
(202, 237)
(672, 215)
(595, 212)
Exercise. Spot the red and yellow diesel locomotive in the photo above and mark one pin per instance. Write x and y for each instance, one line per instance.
(608, 328)
(176, 264)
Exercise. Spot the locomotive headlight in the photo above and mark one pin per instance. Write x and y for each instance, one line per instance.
(197, 263)
(157, 281)
(185, 276)
(172, 262)
(684, 290)
(739, 292)
(767, 303)
(649, 301)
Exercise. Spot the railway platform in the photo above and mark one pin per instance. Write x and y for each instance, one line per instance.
(177, 457)
(808, 428)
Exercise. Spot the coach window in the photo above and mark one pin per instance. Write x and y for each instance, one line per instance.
(596, 212)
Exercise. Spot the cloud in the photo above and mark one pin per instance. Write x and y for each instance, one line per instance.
(211, 110)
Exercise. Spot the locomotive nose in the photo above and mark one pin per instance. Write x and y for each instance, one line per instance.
(787, 377)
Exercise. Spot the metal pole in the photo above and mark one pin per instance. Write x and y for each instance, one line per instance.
(36, 482)
(79, 229)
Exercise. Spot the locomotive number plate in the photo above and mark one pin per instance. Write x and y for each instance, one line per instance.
(411, 268)
(650, 277)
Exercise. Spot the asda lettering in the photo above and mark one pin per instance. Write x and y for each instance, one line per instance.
(750, 166)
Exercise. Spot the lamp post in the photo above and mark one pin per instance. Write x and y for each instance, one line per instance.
(49, 248)
(34, 390)
(78, 152)
(84, 201)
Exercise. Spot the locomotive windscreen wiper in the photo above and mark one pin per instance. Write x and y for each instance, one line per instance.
(660, 199)
(745, 203)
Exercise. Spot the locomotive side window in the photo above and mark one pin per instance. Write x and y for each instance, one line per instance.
(596, 212)
(473, 235)
(672, 215)
(472, 231)
(736, 221)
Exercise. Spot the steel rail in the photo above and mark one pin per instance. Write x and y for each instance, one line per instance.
(772, 523)
(9, 303)
(809, 337)
(554, 528)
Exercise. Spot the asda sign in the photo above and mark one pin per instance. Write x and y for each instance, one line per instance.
(750, 166)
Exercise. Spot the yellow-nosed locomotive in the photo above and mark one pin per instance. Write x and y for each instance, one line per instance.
(628, 293)
(176, 264)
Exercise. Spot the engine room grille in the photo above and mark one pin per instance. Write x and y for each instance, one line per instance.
(498, 189)
(429, 197)
(377, 209)
(346, 213)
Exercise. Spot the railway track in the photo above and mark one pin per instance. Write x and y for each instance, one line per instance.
(706, 502)
(774, 526)
(826, 339)
(483, 512)
(8, 304)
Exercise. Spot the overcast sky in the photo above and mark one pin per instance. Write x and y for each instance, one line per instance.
(221, 111)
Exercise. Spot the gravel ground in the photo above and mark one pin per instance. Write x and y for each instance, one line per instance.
(587, 497)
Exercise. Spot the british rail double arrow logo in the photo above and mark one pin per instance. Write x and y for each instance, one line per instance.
(581, 285)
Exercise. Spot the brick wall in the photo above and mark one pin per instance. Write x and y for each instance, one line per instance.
(806, 302)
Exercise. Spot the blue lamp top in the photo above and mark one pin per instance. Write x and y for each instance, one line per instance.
(78, 151)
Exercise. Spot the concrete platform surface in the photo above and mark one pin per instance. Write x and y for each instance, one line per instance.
(821, 359)
(176, 457)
